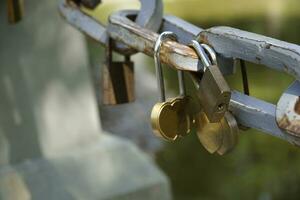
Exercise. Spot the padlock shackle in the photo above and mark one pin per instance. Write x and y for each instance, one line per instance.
(201, 53)
(167, 35)
(211, 52)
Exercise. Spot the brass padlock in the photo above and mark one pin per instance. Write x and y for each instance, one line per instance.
(170, 119)
(15, 10)
(214, 92)
(117, 80)
(220, 137)
(231, 134)
(209, 134)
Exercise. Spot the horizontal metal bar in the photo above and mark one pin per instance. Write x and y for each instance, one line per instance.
(83, 22)
(258, 114)
(276, 54)
(174, 54)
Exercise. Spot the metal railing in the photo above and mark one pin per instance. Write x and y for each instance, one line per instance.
(281, 120)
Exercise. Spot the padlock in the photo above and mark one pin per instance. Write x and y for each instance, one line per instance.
(220, 137)
(15, 10)
(170, 119)
(214, 92)
(117, 80)
(230, 134)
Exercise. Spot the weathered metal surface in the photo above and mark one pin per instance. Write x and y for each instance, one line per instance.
(97, 31)
(185, 31)
(235, 43)
(150, 17)
(172, 53)
(84, 23)
(258, 114)
(288, 110)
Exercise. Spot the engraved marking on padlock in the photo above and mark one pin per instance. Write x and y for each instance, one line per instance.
(214, 92)
(117, 80)
(168, 118)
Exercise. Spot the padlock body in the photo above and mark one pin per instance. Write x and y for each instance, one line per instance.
(231, 134)
(118, 83)
(214, 94)
(15, 9)
(164, 121)
(220, 137)
(170, 119)
(209, 134)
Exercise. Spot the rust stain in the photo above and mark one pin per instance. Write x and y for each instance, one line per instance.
(268, 46)
(171, 49)
(297, 106)
(203, 38)
(292, 127)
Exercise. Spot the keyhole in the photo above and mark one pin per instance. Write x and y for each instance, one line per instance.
(221, 107)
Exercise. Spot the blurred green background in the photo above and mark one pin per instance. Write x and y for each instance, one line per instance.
(261, 167)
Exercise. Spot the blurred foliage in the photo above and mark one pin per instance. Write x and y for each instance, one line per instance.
(261, 167)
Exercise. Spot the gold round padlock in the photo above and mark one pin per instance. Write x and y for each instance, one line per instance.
(220, 137)
(169, 119)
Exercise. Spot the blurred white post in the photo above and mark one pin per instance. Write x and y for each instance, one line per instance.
(50, 141)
